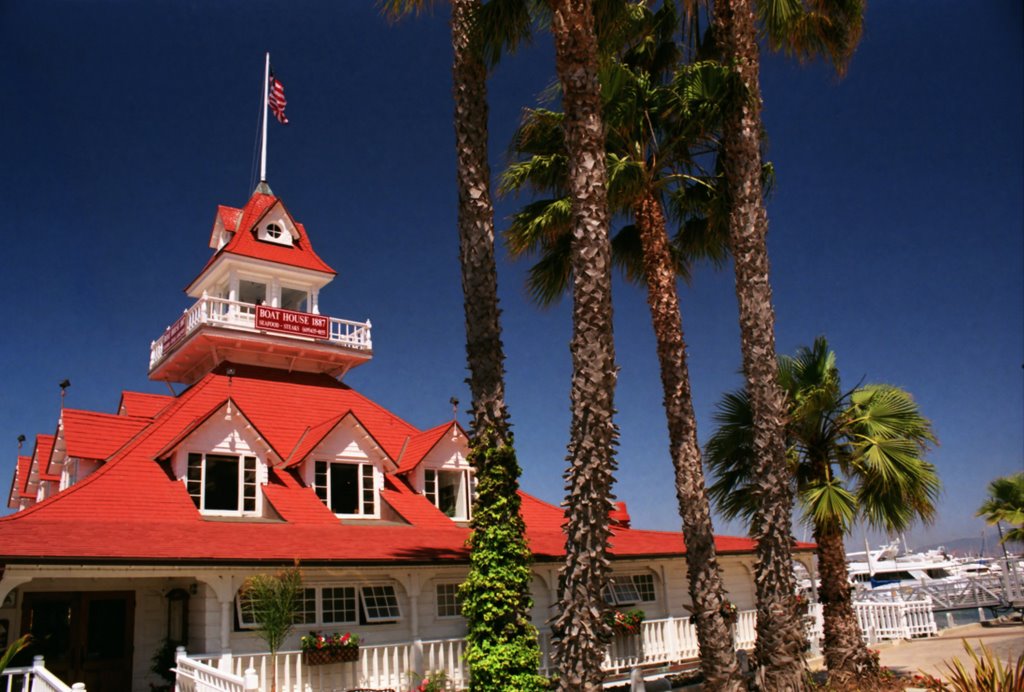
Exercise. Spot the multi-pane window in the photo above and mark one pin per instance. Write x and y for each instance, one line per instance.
(630, 588)
(222, 482)
(339, 604)
(448, 602)
(644, 584)
(449, 491)
(306, 613)
(380, 603)
(346, 488)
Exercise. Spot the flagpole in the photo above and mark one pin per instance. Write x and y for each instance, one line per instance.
(263, 151)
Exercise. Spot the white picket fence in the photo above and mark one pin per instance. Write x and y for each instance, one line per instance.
(664, 641)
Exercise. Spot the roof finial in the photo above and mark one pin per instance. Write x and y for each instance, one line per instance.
(455, 408)
(64, 384)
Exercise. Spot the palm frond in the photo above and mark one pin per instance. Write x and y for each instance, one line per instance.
(730, 458)
(538, 223)
(829, 502)
(549, 276)
(502, 27)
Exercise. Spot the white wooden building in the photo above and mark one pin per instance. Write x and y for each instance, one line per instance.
(140, 525)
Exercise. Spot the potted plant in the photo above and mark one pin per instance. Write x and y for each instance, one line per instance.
(626, 622)
(320, 648)
(730, 613)
(273, 600)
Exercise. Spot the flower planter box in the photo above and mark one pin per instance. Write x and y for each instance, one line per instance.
(321, 657)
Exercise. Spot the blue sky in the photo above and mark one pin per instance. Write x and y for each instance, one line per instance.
(895, 225)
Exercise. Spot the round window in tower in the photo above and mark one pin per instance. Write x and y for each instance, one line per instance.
(274, 231)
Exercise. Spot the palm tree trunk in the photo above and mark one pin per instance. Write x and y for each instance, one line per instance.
(846, 656)
(780, 637)
(484, 351)
(502, 645)
(717, 653)
(580, 628)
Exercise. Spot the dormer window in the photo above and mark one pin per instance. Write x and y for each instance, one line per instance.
(222, 483)
(449, 491)
(275, 232)
(346, 488)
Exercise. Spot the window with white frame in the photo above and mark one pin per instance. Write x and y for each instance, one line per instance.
(222, 483)
(339, 604)
(644, 584)
(336, 605)
(630, 588)
(380, 603)
(346, 488)
(449, 491)
(449, 605)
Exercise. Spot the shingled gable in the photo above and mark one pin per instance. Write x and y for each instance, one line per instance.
(224, 410)
(20, 471)
(318, 434)
(39, 465)
(243, 241)
(419, 446)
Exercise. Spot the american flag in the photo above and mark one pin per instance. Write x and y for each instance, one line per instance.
(276, 99)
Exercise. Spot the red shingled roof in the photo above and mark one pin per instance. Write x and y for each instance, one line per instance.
(91, 435)
(420, 445)
(131, 510)
(142, 404)
(20, 472)
(244, 242)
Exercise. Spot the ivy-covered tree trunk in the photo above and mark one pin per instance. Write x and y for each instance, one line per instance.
(502, 650)
(581, 631)
(717, 653)
(780, 636)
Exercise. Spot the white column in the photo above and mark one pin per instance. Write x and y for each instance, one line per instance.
(275, 293)
(314, 306)
(414, 621)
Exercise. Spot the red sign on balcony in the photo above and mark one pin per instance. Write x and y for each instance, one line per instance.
(291, 322)
(174, 333)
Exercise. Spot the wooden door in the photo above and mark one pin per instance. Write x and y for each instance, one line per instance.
(84, 636)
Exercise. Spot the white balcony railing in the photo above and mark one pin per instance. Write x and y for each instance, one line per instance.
(233, 314)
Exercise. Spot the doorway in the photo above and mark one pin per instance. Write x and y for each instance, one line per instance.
(83, 636)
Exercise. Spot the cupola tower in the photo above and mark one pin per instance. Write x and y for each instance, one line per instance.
(257, 302)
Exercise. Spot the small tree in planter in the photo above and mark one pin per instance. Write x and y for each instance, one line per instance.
(273, 601)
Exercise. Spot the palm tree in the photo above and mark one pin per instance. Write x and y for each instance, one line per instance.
(580, 628)
(502, 646)
(832, 28)
(655, 128)
(851, 455)
(1005, 503)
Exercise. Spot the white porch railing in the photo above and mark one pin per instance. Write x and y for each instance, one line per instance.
(242, 316)
(195, 676)
(896, 619)
(665, 641)
(35, 678)
(379, 666)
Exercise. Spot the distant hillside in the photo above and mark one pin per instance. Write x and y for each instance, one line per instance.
(974, 546)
